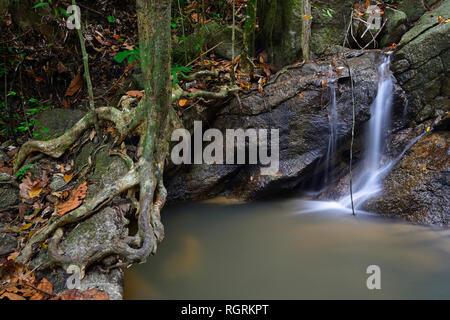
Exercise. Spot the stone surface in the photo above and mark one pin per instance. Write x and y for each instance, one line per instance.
(422, 64)
(413, 9)
(53, 123)
(280, 31)
(394, 28)
(325, 30)
(418, 188)
(9, 196)
(297, 105)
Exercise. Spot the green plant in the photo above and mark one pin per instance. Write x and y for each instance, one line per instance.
(132, 55)
(181, 70)
(23, 172)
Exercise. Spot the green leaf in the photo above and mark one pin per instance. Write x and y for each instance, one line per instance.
(111, 19)
(41, 4)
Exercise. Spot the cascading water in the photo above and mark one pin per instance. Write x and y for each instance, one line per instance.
(369, 181)
(333, 125)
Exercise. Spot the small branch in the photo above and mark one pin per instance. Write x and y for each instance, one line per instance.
(199, 74)
(87, 75)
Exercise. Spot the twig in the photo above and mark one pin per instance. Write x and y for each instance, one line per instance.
(87, 76)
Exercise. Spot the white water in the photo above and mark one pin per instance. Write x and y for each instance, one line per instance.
(332, 142)
(368, 183)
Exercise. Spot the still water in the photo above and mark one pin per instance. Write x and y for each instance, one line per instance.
(270, 250)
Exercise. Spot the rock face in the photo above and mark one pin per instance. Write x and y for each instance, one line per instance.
(327, 31)
(395, 27)
(47, 127)
(422, 65)
(418, 188)
(281, 30)
(298, 105)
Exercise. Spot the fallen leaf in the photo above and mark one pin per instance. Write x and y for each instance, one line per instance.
(74, 201)
(26, 226)
(74, 85)
(184, 102)
(13, 256)
(11, 296)
(35, 191)
(68, 177)
(135, 94)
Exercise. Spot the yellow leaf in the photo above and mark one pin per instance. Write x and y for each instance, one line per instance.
(428, 129)
(35, 191)
(26, 226)
(68, 177)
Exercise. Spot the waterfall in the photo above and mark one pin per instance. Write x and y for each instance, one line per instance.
(369, 181)
(332, 141)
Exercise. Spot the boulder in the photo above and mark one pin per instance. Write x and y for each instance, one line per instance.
(418, 188)
(413, 9)
(100, 229)
(53, 123)
(394, 28)
(422, 64)
(327, 31)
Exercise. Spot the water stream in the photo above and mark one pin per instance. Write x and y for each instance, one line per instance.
(271, 251)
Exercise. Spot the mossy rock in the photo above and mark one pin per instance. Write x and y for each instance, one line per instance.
(10, 196)
(327, 31)
(281, 30)
(54, 123)
(395, 26)
(413, 9)
(214, 34)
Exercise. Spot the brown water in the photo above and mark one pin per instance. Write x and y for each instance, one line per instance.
(270, 251)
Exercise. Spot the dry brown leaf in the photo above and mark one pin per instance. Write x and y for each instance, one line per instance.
(74, 201)
(26, 226)
(13, 256)
(35, 191)
(11, 296)
(45, 286)
(25, 187)
(76, 294)
(74, 85)
(135, 94)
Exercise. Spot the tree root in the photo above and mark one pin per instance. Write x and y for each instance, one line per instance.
(147, 173)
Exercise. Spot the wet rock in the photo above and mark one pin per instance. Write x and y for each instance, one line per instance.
(297, 105)
(422, 64)
(394, 28)
(418, 188)
(53, 123)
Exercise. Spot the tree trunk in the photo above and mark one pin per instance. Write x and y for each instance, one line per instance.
(249, 35)
(306, 30)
